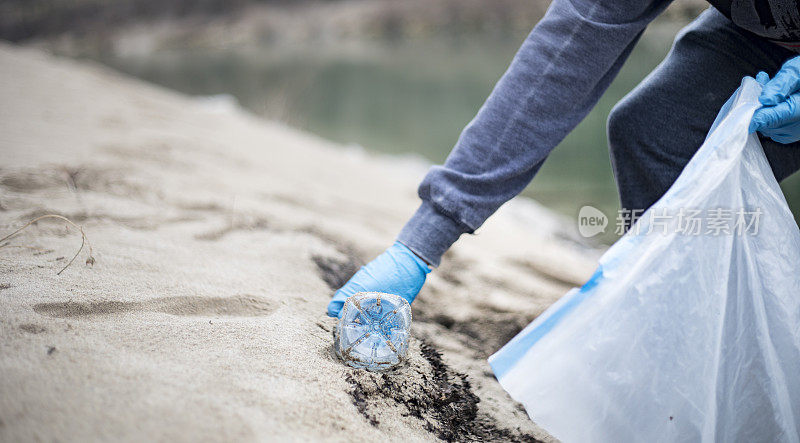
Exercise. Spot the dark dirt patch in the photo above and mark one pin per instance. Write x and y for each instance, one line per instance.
(485, 334)
(336, 271)
(440, 397)
(32, 328)
(488, 334)
(360, 401)
(51, 350)
(4, 286)
(452, 268)
(450, 277)
(444, 320)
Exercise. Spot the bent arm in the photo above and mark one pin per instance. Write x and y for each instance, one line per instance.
(557, 76)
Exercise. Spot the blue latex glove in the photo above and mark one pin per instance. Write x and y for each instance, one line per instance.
(397, 271)
(779, 118)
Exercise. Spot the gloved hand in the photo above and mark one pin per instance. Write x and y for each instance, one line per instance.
(779, 118)
(397, 271)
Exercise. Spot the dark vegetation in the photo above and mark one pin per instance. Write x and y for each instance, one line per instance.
(23, 19)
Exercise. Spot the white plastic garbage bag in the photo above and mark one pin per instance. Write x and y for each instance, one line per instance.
(681, 335)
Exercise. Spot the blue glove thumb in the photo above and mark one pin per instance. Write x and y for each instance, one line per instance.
(785, 83)
(397, 271)
(756, 123)
(762, 78)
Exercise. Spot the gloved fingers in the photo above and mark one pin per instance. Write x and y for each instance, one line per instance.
(785, 134)
(785, 83)
(386, 272)
(335, 308)
(783, 139)
(360, 282)
(352, 287)
(753, 127)
(783, 113)
(336, 303)
(762, 78)
(405, 281)
(397, 270)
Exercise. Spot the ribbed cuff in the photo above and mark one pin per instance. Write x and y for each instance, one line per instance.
(429, 233)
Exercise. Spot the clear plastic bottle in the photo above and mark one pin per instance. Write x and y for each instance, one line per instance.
(373, 331)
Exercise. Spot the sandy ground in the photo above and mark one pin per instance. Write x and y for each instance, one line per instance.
(218, 238)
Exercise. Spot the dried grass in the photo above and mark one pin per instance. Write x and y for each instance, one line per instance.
(84, 238)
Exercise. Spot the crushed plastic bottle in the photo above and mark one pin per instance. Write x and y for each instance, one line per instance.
(373, 331)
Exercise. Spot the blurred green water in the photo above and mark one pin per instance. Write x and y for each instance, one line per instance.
(408, 97)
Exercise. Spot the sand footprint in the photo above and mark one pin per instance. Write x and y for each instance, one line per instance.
(191, 306)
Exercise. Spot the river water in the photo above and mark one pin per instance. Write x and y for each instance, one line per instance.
(407, 97)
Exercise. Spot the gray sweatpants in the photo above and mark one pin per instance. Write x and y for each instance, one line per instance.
(654, 131)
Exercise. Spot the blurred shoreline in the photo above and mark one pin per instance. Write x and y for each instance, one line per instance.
(121, 27)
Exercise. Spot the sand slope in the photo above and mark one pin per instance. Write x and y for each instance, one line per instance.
(218, 238)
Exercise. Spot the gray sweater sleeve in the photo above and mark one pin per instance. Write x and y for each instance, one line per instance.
(557, 76)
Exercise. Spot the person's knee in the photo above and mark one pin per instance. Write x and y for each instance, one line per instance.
(626, 133)
(638, 150)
